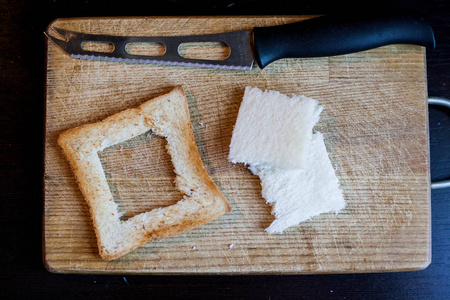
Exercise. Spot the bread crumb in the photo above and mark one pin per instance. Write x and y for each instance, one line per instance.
(230, 246)
(203, 125)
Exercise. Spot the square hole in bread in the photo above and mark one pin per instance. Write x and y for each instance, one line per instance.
(140, 174)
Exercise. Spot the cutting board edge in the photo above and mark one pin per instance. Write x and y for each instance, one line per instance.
(63, 270)
(302, 17)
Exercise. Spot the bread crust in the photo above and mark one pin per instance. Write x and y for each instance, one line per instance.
(168, 116)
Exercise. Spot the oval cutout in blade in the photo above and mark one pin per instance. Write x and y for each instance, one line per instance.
(146, 48)
(204, 50)
(94, 46)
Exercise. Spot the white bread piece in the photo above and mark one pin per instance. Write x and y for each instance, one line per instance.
(297, 195)
(273, 129)
(168, 116)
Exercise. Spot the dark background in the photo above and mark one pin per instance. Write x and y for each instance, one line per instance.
(22, 77)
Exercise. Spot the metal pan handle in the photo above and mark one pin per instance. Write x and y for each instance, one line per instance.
(439, 102)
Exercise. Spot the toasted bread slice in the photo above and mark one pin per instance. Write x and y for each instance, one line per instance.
(168, 116)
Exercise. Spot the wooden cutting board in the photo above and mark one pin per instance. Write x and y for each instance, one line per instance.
(375, 125)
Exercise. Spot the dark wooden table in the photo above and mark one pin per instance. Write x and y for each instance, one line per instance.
(22, 74)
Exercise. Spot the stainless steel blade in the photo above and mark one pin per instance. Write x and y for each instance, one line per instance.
(240, 58)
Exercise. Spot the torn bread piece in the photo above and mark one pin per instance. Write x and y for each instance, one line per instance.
(297, 195)
(168, 116)
(273, 129)
(296, 174)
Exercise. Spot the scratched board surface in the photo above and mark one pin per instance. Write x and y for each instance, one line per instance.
(375, 129)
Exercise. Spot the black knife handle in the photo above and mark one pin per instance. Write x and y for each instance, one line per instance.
(336, 35)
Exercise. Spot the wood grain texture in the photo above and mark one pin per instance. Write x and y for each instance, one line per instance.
(375, 128)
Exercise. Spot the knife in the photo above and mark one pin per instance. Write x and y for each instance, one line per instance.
(317, 37)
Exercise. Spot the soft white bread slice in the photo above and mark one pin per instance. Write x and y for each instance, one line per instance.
(168, 116)
(273, 129)
(297, 195)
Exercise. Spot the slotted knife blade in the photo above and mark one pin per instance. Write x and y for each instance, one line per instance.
(240, 57)
(317, 37)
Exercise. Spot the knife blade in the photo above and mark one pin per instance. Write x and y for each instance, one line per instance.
(316, 37)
